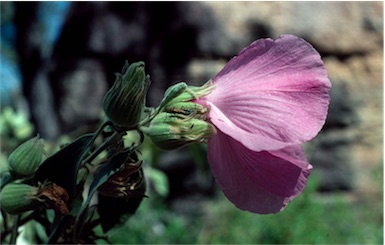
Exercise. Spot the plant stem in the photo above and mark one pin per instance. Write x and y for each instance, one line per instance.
(5, 219)
(19, 222)
(14, 230)
(103, 146)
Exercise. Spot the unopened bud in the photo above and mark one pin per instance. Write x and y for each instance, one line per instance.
(16, 198)
(25, 160)
(124, 103)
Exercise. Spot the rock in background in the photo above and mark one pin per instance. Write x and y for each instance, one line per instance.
(64, 78)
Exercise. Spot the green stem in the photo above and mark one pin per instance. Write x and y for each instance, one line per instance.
(96, 134)
(101, 127)
(5, 219)
(14, 230)
(103, 146)
(19, 223)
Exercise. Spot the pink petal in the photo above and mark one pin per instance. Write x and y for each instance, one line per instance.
(260, 182)
(272, 95)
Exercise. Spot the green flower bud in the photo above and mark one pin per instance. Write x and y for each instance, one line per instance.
(25, 160)
(16, 198)
(169, 131)
(124, 103)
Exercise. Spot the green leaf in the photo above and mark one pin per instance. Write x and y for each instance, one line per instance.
(62, 167)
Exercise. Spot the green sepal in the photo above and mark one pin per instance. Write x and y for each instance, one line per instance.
(192, 93)
(172, 92)
(169, 132)
(181, 94)
(186, 108)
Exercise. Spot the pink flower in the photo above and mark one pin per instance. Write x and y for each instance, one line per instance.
(267, 101)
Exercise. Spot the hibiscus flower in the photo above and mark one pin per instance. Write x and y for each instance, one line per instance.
(266, 102)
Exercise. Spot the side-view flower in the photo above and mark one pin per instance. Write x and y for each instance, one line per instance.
(264, 104)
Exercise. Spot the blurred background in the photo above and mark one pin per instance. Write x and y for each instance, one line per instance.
(59, 58)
